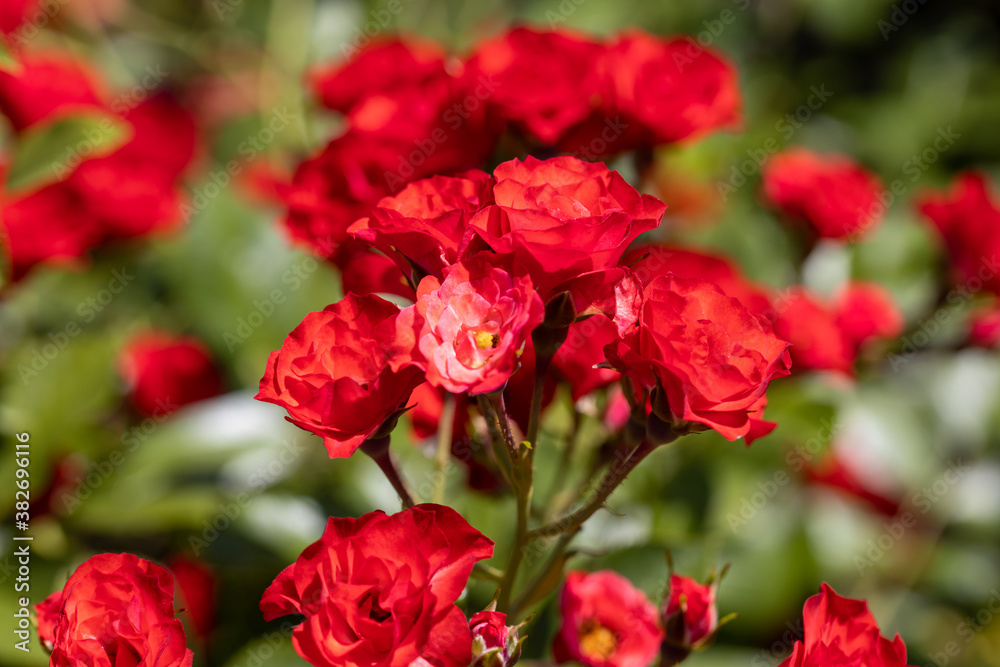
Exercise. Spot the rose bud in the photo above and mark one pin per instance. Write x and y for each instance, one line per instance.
(689, 617)
(494, 643)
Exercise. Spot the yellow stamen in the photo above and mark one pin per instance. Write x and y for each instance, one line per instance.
(485, 339)
(596, 641)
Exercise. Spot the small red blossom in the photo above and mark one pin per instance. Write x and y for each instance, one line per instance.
(834, 195)
(467, 332)
(165, 372)
(841, 632)
(967, 218)
(380, 590)
(332, 373)
(544, 82)
(708, 358)
(690, 617)
(606, 622)
(562, 217)
(115, 609)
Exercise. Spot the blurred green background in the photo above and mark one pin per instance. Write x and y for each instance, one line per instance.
(898, 72)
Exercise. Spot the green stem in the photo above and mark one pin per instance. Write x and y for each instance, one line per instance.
(614, 476)
(560, 473)
(556, 561)
(378, 450)
(486, 573)
(500, 451)
(443, 452)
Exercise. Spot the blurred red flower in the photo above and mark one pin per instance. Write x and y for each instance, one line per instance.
(833, 194)
(165, 372)
(967, 217)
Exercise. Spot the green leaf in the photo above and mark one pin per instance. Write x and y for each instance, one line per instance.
(8, 63)
(49, 153)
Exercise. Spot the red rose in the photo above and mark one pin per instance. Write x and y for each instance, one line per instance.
(563, 217)
(865, 312)
(968, 219)
(984, 327)
(164, 372)
(116, 609)
(47, 86)
(383, 66)
(380, 590)
(650, 261)
(427, 222)
(841, 632)
(689, 616)
(834, 195)
(467, 332)
(494, 643)
(130, 192)
(709, 358)
(667, 90)
(332, 373)
(606, 622)
(365, 271)
(542, 82)
(336, 187)
(818, 342)
(13, 13)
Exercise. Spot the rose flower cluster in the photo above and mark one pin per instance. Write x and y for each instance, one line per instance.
(489, 260)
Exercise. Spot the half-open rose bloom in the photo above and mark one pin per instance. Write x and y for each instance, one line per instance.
(332, 373)
(690, 617)
(165, 372)
(427, 222)
(709, 358)
(657, 90)
(967, 217)
(606, 622)
(544, 82)
(841, 632)
(564, 217)
(115, 610)
(467, 332)
(380, 590)
(833, 194)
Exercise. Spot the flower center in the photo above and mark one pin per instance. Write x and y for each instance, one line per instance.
(485, 339)
(375, 612)
(596, 641)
